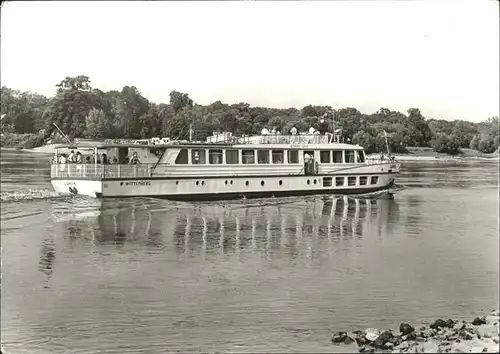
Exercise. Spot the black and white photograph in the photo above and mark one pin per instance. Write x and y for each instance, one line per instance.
(250, 176)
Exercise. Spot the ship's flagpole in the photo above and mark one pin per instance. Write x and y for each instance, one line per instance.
(387, 143)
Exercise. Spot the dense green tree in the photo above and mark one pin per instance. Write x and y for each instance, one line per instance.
(419, 133)
(464, 132)
(180, 100)
(70, 107)
(367, 141)
(487, 145)
(98, 125)
(23, 110)
(446, 144)
(81, 110)
(128, 107)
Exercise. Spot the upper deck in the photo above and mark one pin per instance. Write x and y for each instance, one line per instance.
(300, 141)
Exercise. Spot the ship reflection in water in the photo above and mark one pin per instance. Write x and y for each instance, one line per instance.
(297, 226)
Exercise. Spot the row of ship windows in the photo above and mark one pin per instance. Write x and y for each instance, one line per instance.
(247, 156)
(327, 181)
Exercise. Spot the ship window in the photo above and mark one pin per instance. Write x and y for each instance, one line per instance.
(351, 181)
(339, 181)
(263, 156)
(198, 157)
(248, 156)
(363, 180)
(349, 156)
(360, 156)
(182, 157)
(374, 180)
(293, 156)
(278, 156)
(324, 156)
(327, 182)
(215, 157)
(232, 157)
(337, 156)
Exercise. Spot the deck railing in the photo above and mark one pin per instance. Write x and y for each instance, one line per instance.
(279, 139)
(91, 171)
(101, 171)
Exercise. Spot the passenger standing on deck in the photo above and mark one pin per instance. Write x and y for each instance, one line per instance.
(196, 157)
(62, 162)
(134, 160)
(71, 157)
(78, 160)
(307, 162)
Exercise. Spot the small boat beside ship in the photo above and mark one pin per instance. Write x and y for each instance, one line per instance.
(222, 167)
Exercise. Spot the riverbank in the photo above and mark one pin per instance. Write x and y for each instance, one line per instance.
(481, 335)
(427, 154)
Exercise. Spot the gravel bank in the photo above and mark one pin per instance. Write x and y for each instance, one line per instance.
(442, 336)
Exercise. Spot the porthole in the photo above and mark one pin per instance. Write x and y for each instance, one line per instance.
(280, 182)
(225, 183)
(308, 181)
(247, 183)
(177, 183)
(262, 183)
(231, 182)
(315, 181)
(202, 183)
(197, 183)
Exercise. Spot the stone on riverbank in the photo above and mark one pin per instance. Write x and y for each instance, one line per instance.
(405, 328)
(342, 337)
(478, 336)
(479, 321)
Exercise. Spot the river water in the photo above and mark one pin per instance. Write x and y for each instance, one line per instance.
(264, 275)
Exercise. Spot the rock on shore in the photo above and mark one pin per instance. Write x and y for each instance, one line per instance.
(481, 335)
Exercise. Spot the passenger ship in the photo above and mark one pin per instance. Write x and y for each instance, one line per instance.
(225, 167)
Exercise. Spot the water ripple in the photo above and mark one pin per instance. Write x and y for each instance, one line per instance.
(269, 275)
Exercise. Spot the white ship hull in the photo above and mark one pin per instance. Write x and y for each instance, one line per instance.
(210, 188)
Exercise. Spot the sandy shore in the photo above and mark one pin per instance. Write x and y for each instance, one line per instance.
(46, 149)
(481, 335)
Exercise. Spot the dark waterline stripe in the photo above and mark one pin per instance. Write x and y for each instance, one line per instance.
(253, 195)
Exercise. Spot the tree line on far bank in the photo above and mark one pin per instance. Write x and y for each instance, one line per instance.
(82, 111)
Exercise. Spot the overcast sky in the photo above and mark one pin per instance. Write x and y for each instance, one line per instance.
(439, 56)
